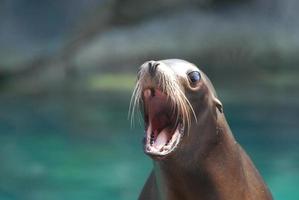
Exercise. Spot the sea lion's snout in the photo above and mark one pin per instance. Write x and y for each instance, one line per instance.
(153, 71)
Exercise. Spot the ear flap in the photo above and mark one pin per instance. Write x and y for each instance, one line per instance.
(218, 104)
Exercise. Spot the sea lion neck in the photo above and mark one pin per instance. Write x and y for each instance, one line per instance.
(211, 154)
(209, 133)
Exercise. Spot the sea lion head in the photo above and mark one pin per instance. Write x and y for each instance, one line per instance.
(175, 98)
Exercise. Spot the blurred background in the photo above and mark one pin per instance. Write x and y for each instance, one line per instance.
(67, 70)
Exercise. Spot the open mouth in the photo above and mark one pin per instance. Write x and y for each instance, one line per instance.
(163, 125)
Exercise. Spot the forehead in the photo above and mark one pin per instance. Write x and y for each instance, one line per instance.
(180, 66)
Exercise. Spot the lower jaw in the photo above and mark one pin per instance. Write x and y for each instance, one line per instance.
(167, 149)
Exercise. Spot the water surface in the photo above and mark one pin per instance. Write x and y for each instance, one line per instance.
(78, 146)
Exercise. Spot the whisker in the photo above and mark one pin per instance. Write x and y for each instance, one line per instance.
(134, 102)
(167, 83)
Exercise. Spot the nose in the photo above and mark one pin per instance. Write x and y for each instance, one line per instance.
(152, 67)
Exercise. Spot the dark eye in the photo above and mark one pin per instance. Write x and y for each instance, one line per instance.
(194, 76)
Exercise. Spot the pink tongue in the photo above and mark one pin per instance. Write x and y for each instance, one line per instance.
(161, 139)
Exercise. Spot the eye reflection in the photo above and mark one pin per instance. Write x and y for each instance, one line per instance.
(194, 76)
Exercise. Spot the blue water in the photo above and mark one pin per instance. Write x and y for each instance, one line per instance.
(82, 147)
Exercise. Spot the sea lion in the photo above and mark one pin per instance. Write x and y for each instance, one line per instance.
(194, 153)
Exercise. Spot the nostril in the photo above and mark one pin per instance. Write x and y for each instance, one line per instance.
(156, 65)
(150, 64)
(152, 67)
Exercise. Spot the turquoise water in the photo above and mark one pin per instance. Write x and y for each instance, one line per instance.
(82, 147)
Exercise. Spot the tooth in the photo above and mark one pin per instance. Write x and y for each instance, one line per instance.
(147, 93)
(181, 128)
(161, 139)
